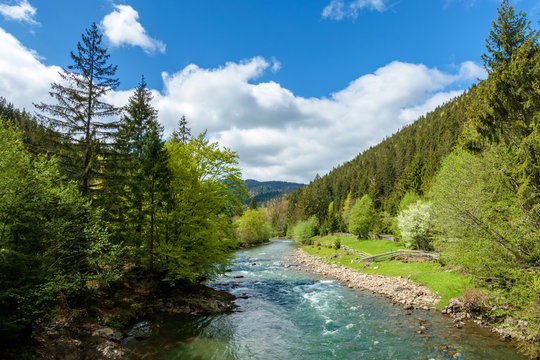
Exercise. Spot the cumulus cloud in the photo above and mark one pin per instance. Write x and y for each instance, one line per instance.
(22, 11)
(277, 134)
(23, 78)
(338, 9)
(122, 27)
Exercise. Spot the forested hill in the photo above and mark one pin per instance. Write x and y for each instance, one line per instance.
(263, 191)
(408, 160)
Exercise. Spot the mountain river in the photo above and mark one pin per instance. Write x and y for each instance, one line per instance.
(286, 313)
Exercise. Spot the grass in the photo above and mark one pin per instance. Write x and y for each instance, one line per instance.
(442, 281)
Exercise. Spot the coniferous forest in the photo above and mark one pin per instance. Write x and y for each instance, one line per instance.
(95, 201)
(463, 180)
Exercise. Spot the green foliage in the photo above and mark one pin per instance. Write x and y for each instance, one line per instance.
(140, 188)
(363, 217)
(480, 215)
(416, 225)
(52, 243)
(347, 206)
(305, 230)
(206, 190)
(253, 228)
(182, 134)
(252, 204)
(385, 224)
(333, 221)
(485, 229)
(506, 37)
(410, 198)
(79, 108)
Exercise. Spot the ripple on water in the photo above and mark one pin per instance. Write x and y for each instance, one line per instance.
(289, 314)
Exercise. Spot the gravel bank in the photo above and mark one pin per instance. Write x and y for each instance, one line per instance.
(398, 290)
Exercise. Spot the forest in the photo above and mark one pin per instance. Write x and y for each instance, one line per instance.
(93, 196)
(464, 180)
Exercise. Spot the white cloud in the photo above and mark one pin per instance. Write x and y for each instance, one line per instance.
(23, 78)
(470, 70)
(121, 27)
(338, 9)
(22, 11)
(277, 134)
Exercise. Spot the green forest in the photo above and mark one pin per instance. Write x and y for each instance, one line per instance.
(93, 196)
(464, 180)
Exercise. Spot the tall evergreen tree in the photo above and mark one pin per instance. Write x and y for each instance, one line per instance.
(509, 32)
(183, 134)
(507, 109)
(156, 177)
(253, 203)
(145, 174)
(80, 112)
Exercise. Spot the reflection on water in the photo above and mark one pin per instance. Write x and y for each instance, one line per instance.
(285, 313)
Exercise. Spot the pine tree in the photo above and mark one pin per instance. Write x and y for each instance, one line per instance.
(156, 177)
(139, 141)
(80, 112)
(183, 134)
(509, 32)
(253, 203)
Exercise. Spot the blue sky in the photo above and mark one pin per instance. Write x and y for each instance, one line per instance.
(295, 87)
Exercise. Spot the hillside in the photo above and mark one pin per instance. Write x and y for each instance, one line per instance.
(408, 160)
(267, 190)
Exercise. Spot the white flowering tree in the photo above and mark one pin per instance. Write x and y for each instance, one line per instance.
(415, 225)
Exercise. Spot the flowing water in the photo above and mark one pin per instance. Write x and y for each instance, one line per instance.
(285, 313)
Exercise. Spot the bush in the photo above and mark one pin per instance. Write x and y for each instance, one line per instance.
(363, 217)
(305, 230)
(253, 228)
(415, 226)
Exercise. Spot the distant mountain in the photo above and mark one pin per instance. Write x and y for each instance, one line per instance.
(267, 190)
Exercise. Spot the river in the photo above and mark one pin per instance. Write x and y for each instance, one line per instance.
(285, 313)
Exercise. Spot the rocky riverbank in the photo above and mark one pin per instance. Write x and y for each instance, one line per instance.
(88, 339)
(398, 290)
(406, 293)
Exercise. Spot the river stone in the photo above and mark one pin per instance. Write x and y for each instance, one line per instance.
(108, 333)
(141, 330)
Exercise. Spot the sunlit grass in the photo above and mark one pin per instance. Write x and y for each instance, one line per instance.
(442, 281)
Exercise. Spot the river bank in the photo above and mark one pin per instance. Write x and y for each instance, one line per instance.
(103, 336)
(398, 290)
(410, 295)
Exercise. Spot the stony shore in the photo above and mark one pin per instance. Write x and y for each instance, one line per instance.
(398, 290)
(86, 339)
(406, 293)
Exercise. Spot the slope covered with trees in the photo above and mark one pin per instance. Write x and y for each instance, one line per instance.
(263, 191)
(464, 180)
(408, 160)
(92, 197)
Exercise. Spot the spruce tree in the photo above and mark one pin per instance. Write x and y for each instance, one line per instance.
(253, 203)
(183, 134)
(80, 112)
(508, 33)
(139, 141)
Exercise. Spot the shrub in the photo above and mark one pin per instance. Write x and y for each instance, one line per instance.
(305, 230)
(363, 217)
(415, 226)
